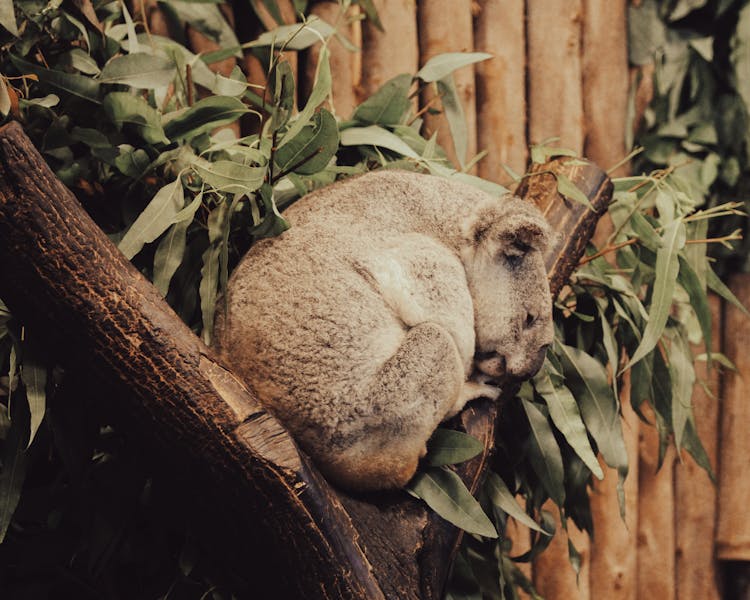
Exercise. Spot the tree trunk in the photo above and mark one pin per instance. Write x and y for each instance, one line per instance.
(265, 508)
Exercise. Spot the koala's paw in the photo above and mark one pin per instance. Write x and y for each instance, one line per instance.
(472, 390)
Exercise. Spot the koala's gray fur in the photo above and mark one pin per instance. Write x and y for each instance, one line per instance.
(390, 303)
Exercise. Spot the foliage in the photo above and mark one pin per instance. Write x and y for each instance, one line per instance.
(185, 168)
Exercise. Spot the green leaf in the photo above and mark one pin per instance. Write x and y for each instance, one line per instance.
(683, 377)
(442, 65)
(372, 13)
(692, 443)
(218, 220)
(312, 148)
(689, 281)
(740, 54)
(567, 418)
(374, 135)
(142, 71)
(718, 286)
(544, 453)
(454, 114)
(502, 497)
(171, 250)
(82, 61)
(445, 493)
(294, 37)
(645, 231)
(448, 447)
(204, 116)
(667, 268)
(209, 20)
(568, 189)
(155, 219)
(124, 108)
(229, 176)
(541, 153)
(78, 85)
(388, 105)
(34, 377)
(587, 379)
(321, 90)
(8, 17)
(272, 223)
(12, 474)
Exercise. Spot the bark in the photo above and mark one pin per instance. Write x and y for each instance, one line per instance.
(613, 549)
(382, 57)
(266, 509)
(696, 573)
(554, 60)
(501, 88)
(656, 524)
(446, 26)
(733, 537)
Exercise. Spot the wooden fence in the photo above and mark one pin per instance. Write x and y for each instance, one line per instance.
(560, 70)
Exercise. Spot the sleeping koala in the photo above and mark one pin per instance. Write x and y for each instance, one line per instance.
(393, 300)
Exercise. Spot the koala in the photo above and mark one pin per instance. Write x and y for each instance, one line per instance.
(392, 300)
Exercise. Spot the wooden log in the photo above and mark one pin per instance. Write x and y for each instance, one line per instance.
(446, 26)
(656, 524)
(555, 72)
(499, 29)
(246, 476)
(605, 81)
(696, 571)
(62, 276)
(393, 51)
(344, 65)
(554, 577)
(733, 536)
(613, 557)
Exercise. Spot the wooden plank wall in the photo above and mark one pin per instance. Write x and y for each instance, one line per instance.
(560, 70)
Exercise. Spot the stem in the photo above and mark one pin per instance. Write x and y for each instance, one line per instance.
(607, 250)
(296, 165)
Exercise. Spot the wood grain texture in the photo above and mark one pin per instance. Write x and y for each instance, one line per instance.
(696, 571)
(656, 525)
(499, 29)
(392, 52)
(555, 93)
(613, 572)
(733, 536)
(446, 26)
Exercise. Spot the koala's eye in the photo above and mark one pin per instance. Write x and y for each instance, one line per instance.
(515, 253)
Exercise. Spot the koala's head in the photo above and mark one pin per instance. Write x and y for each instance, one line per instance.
(504, 263)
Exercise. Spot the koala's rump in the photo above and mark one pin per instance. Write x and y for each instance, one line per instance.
(309, 334)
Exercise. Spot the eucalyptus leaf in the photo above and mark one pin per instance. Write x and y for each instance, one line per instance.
(204, 116)
(8, 21)
(566, 416)
(718, 286)
(294, 37)
(445, 493)
(140, 71)
(83, 62)
(155, 219)
(125, 109)
(683, 377)
(442, 65)
(667, 269)
(568, 189)
(448, 447)
(388, 105)
(34, 377)
(454, 114)
(78, 85)
(544, 453)
(689, 281)
(502, 497)
(13, 473)
(171, 250)
(218, 220)
(312, 148)
(375, 135)
(229, 176)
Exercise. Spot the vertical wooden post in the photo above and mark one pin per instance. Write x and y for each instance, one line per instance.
(696, 576)
(446, 26)
(613, 557)
(733, 537)
(554, 577)
(393, 52)
(656, 527)
(555, 71)
(499, 29)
